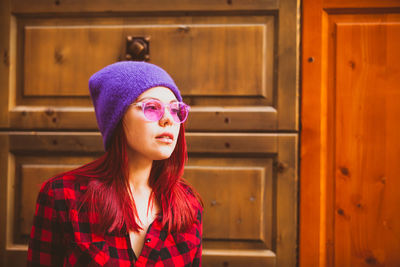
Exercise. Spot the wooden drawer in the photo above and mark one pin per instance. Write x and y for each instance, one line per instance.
(224, 66)
(246, 189)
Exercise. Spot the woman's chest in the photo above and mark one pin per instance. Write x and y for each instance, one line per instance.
(116, 249)
(138, 239)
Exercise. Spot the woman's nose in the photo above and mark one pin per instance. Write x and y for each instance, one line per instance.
(166, 119)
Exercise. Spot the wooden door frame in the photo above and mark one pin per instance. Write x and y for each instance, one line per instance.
(313, 133)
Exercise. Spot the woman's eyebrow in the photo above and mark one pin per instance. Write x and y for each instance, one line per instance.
(144, 98)
(150, 97)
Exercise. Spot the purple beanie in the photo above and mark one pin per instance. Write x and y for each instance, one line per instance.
(116, 86)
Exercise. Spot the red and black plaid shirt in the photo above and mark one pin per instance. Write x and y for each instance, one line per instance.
(63, 237)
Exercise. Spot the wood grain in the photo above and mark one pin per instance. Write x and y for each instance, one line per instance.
(247, 187)
(264, 258)
(336, 4)
(5, 61)
(367, 223)
(5, 64)
(349, 120)
(210, 197)
(226, 96)
(236, 63)
(59, 60)
(5, 166)
(62, 6)
(312, 242)
(287, 100)
(234, 204)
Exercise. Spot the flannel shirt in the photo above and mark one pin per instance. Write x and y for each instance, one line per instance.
(62, 236)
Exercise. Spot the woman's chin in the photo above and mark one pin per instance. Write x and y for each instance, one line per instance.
(161, 155)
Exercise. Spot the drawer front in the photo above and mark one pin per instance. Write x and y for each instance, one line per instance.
(246, 193)
(223, 65)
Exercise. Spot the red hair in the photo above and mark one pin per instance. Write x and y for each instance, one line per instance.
(109, 199)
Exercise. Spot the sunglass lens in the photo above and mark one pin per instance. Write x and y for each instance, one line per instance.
(153, 110)
(179, 111)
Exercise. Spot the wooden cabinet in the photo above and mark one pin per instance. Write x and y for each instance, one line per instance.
(236, 64)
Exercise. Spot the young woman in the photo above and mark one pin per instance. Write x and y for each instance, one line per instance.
(130, 207)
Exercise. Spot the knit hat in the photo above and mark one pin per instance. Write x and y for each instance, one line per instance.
(116, 86)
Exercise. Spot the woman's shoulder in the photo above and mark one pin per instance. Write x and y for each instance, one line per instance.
(62, 186)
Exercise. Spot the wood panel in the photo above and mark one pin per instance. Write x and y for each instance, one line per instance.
(235, 203)
(239, 258)
(56, 66)
(227, 221)
(350, 84)
(48, 83)
(200, 118)
(61, 6)
(49, 52)
(288, 66)
(249, 211)
(367, 206)
(5, 62)
(236, 63)
(5, 171)
(312, 232)
(361, 4)
(54, 69)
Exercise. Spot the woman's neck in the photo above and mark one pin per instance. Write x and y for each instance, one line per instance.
(139, 172)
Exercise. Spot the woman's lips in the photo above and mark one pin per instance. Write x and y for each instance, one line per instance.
(167, 138)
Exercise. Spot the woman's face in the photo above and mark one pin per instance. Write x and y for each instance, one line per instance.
(154, 140)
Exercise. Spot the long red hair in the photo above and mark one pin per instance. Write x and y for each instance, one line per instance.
(109, 199)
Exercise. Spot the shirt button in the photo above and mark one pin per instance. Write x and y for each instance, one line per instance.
(148, 240)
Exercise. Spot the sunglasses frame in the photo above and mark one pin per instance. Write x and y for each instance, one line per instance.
(142, 104)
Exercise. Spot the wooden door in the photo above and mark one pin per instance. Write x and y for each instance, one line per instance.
(350, 208)
(236, 64)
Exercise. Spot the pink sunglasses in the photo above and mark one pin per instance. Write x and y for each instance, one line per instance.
(154, 110)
